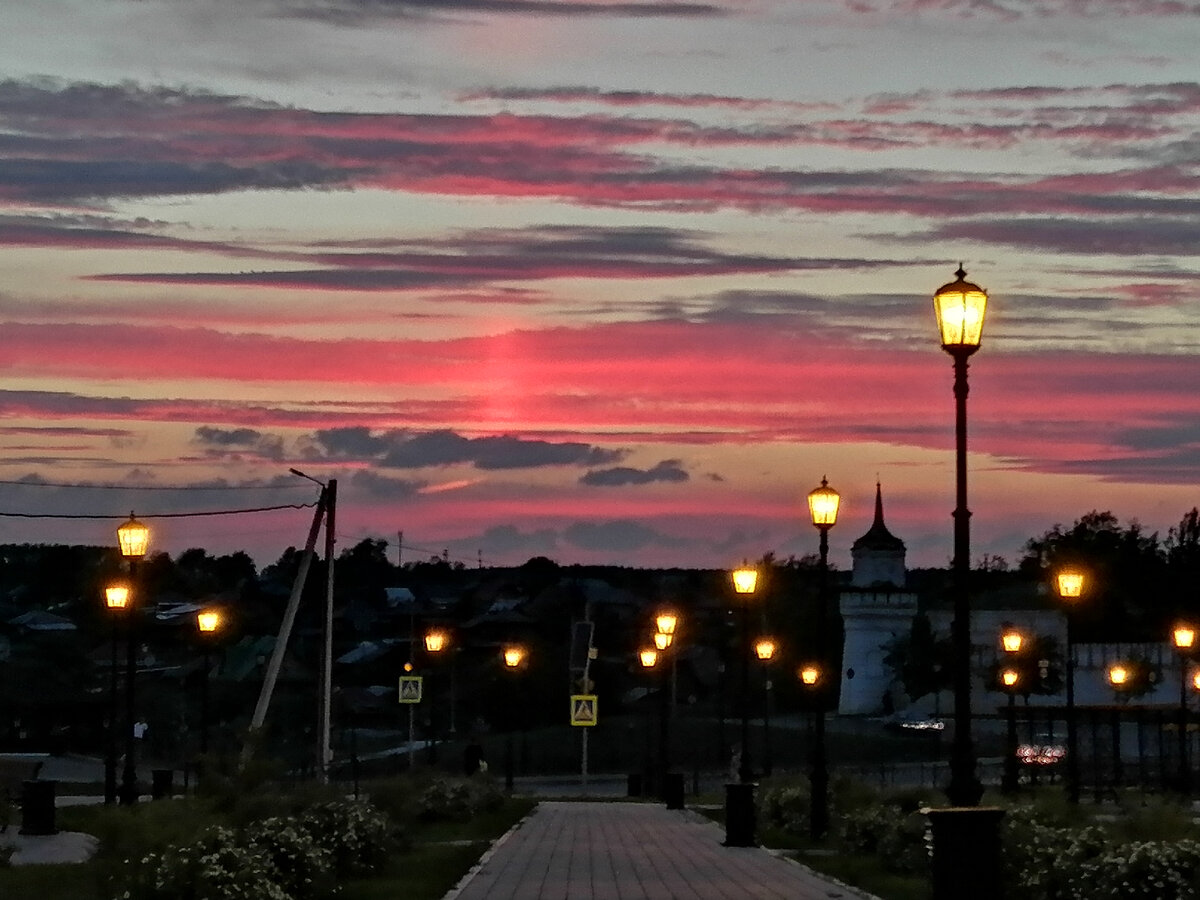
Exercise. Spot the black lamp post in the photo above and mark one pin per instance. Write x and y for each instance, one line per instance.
(514, 658)
(648, 657)
(133, 538)
(207, 622)
(436, 643)
(663, 640)
(823, 503)
(1184, 636)
(1010, 676)
(764, 649)
(1069, 582)
(960, 307)
(745, 580)
(116, 599)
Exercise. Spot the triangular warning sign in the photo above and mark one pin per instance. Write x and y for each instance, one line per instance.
(583, 709)
(410, 688)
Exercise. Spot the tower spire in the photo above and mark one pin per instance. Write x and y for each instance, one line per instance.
(878, 505)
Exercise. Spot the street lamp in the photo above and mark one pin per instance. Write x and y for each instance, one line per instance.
(1011, 640)
(513, 656)
(208, 621)
(663, 639)
(823, 503)
(1184, 636)
(1119, 676)
(764, 649)
(959, 307)
(1070, 582)
(134, 539)
(116, 598)
(745, 580)
(437, 641)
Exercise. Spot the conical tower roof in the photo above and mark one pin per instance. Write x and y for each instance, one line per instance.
(877, 536)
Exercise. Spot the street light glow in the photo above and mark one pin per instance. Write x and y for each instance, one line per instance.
(764, 648)
(116, 596)
(648, 658)
(134, 538)
(1184, 635)
(666, 622)
(435, 640)
(823, 505)
(745, 579)
(810, 674)
(959, 307)
(1012, 641)
(208, 621)
(1070, 584)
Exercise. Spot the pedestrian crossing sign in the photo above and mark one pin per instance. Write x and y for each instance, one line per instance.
(583, 709)
(410, 688)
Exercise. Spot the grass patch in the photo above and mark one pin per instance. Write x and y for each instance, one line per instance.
(866, 872)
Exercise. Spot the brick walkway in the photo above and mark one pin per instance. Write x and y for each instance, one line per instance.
(633, 851)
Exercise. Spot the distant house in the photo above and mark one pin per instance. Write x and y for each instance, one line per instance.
(39, 622)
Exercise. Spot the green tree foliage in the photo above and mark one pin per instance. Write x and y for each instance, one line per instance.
(1126, 594)
(922, 662)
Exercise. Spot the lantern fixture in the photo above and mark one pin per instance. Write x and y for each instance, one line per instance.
(823, 503)
(1012, 641)
(1118, 675)
(116, 596)
(1184, 636)
(662, 641)
(810, 675)
(648, 657)
(666, 622)
(208, 620)
(745, 579)
(1010, 677)
(764, 648)
(1070, 583)
(960, 307)
(435, 640)
(133, 538)
(513, 656)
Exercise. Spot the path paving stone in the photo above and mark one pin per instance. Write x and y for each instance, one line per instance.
(633, 851)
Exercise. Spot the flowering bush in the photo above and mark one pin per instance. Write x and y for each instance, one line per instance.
(457, 799)
(1147, 870)
(215, 867)
(358, 836)
(787, 807)
(303, 868)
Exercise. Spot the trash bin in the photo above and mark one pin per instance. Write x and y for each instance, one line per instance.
(37, 807)
(633, 784)
(966, 852)
(739, 815)
(673, 790)
(162, 783)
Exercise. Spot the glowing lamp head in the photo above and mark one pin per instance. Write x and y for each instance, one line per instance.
(1070, 583)
(662, 641)
(1196, 679)
(1118, 675)
(1011, 640)
(823, 505)
(810, 675)
(133, 538)
(959, 307)
(116, 596)
(648, 657)
(1185, 636)
(208, 621)
(666, 622)
(745, 579)
(1010, 677)
(514, 656)
(764, 648)
(435, 640)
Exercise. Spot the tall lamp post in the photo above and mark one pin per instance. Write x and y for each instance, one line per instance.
(1069, 582)
(208, 622)
(662, 643)
(1011, 640)
(116, 599)
(960, 307)
(745, 580)
(823, 503)
(764, 649)
(1184, 636)
(648, 657)
(514, 657)
(436, 642)
(134, 539)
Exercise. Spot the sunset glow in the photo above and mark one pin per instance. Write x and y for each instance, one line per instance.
(604, 282)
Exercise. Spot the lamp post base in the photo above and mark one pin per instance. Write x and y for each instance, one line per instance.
(966, 853)
(740, 815)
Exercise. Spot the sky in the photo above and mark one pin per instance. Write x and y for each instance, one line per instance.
(607, 281)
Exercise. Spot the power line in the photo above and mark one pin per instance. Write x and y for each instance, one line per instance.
(180, 515)
(154, 487)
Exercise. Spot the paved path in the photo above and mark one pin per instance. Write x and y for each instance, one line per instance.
(633, 851)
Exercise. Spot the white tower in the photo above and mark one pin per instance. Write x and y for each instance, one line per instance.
(875, 609)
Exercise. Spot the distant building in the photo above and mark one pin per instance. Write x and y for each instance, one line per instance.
(875, 609)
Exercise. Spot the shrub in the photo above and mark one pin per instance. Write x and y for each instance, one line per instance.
(302, 867)
(358, 836)
(787, 806)
(214, 867)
